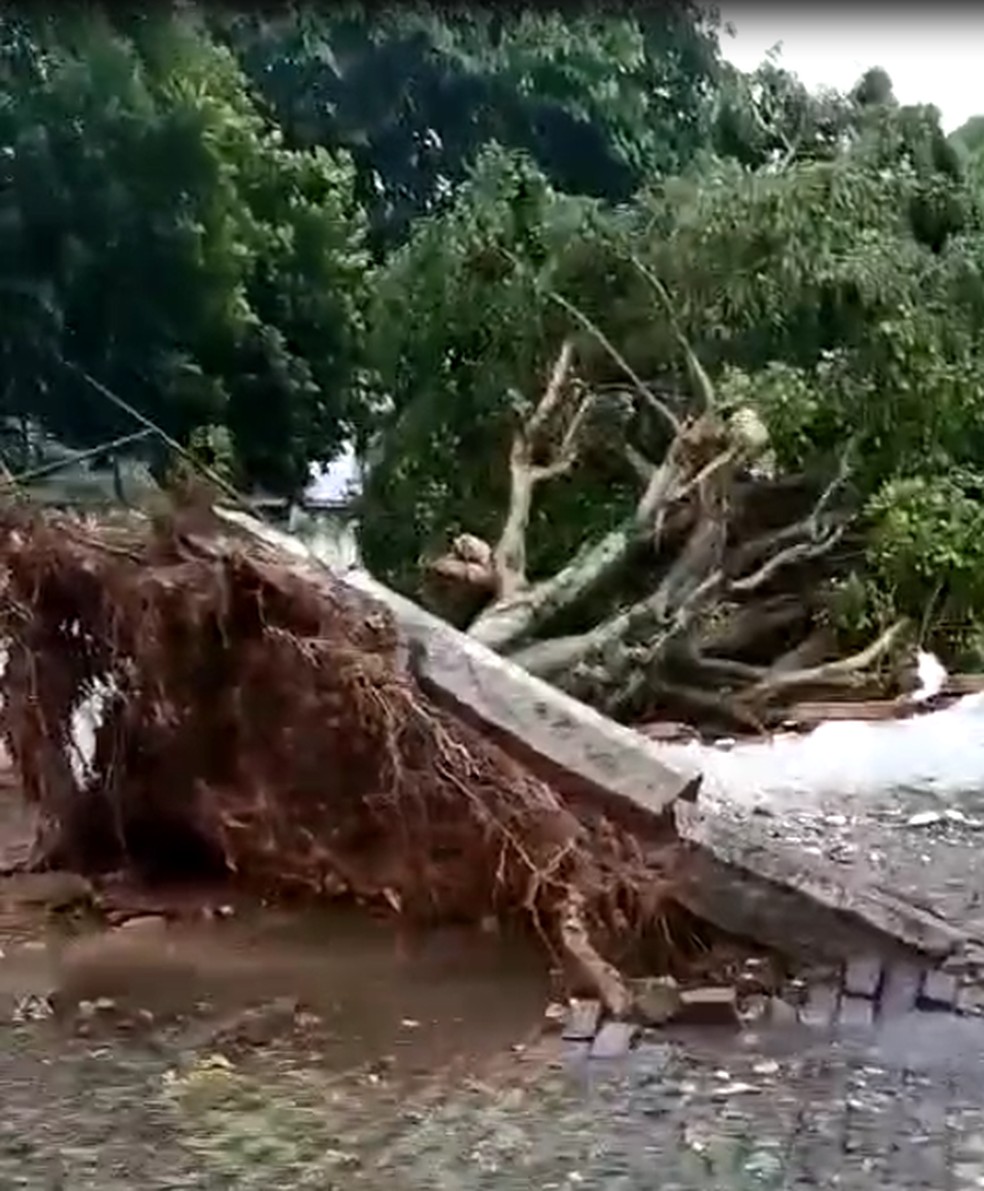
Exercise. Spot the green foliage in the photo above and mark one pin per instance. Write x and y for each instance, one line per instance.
(157, 234)
(599, 99)
(831, 295)
(462, 336)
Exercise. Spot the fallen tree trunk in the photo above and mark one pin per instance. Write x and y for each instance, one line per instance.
(260, 717)
(712, 628)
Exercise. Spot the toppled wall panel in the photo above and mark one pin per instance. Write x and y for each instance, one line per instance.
(567, 742)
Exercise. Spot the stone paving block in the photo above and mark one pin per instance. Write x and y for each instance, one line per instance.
(940, 990)
(857, 1012)
(900, 990)
(862, 976)
(614, 1040)
(820, 1010)
(582, 1020)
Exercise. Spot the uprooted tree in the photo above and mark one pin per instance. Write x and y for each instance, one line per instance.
(255, 717)
(759, 412)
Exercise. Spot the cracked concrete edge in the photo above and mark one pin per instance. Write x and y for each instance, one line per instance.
(565, 741)
(839, 899)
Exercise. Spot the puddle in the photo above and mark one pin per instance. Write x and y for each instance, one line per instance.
(370, 991)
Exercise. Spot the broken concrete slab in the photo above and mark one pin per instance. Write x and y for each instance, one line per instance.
(566, 742)
(840, 910)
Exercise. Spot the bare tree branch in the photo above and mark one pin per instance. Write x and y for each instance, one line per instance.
(641, 388)
(844, 668)
(510, 550)
(694, 366)
(800, 552)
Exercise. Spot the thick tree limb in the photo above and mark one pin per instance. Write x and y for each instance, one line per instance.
(524, 474)
(510, 622)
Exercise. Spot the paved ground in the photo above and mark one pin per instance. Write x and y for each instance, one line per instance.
(892, 1104)
(776, 1111)
(884, 819)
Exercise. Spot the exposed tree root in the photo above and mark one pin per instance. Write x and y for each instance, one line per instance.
(270, 724)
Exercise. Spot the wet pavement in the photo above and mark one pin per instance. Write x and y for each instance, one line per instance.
(423, 1065)
(883, 821)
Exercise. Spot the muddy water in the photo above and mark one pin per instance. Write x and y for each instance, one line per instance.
(363, 991)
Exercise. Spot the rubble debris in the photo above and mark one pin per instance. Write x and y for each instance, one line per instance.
(711, 1006)
(259, 719)
(655, 999)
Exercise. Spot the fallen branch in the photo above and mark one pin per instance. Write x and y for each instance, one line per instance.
(525, 474)
(844, 668)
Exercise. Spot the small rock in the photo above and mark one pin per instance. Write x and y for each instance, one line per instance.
(766, 1067)
(709, 1006)
(655, 999)
(924, 819)
(104, 1004)
(733, 1089)
(614, 1039)
(86, 1010)
(582, 1020)
(554, 1016)
(143, 924)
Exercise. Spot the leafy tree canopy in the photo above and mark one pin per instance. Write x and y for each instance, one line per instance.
(160, 236)
(598, 98)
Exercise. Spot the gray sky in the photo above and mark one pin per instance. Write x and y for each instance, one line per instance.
(934, 54)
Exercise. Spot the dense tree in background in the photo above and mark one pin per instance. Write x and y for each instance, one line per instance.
(661, 368)
(833, 300)
(158, 234)
(599, 98)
